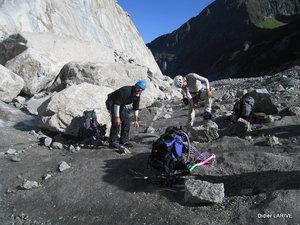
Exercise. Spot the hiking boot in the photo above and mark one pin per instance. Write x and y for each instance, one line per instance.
(113, 145)
(128, 145)
(207, 115)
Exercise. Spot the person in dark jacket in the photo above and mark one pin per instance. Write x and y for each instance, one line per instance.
(120, 122)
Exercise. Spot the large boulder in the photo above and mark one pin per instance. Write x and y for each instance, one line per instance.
(62, 112)
(239, 128)
(38, 71)
(10, 84)
(113, 75)
(206, 132)
(198, 191)
(46, 54)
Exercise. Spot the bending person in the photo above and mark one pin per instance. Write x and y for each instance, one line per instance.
(195, 91)
(120, 123)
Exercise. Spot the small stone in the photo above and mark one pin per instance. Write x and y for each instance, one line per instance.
(71, 148)
(27, 185)
(47, 176)
(57, 145)
(270, 119)
(15, 159)
(167, 116)
(20, 99)
(272, 141)
(63, 166)
(77, 148)
(23, 216)
(47, 141)
(279, 88)
(11, 151)
(249, 138)
(150, 130)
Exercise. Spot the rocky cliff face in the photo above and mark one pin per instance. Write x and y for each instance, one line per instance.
(226, 31)
(102, 21)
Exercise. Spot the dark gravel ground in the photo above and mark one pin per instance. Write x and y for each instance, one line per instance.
(260, 181)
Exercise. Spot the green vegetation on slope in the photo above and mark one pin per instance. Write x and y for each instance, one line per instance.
(269, 23)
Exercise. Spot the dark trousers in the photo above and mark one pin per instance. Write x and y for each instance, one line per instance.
(123, 129)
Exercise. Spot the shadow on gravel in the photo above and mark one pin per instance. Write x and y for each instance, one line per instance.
(256, 182)
(127, 173)
(26, 125)
(281, 132)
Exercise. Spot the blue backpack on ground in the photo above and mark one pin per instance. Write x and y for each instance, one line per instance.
(168, 152)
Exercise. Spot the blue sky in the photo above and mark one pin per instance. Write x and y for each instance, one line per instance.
(157, 17)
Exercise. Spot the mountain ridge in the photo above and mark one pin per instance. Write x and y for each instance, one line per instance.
(199, 44)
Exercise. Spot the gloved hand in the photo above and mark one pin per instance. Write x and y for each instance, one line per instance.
(196, 106)
(209, 93)
(185, 101)
(136, 124)
(118, 121)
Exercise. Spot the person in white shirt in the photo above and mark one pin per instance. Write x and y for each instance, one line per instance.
(195, 90)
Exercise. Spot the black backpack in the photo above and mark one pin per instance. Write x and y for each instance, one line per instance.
(168, 152)
(90, 126)
(243, 108)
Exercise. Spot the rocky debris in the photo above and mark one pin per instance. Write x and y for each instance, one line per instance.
(12, 116)
(35, 102)
(46, 176)
(279, 88)
(19, 101)
(71, 148)
(27, 185)
(205, 132)
(198, 192)
(238, 128)
(47, 141)
(167, 116)
(34, 133)
(11, 151)
(290, 111)
(55, 116)
(57, 145)
(150, 130)
(263, 101)
(10, 84)
(63, 166)
(270, 119)
(272, 141)
(241, 93)
(15, 159)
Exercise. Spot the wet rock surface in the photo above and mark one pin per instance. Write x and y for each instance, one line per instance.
(100, 188)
